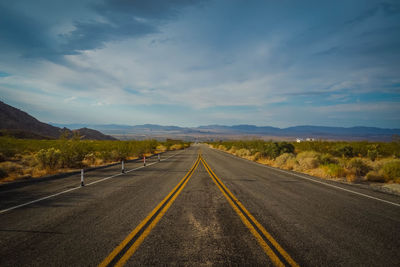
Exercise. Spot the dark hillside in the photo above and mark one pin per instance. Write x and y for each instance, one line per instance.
(19, 124)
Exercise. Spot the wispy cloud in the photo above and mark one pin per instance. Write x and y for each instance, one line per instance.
(202, 62)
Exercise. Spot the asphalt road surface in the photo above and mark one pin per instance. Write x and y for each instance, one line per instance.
(191, 209)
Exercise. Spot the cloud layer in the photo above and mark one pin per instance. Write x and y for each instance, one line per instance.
(203, 62)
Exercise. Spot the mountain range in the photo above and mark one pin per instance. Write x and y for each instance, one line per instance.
(215, 132)
(17, 123)
(20, 124)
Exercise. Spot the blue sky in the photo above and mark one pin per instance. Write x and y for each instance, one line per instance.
(190, 63)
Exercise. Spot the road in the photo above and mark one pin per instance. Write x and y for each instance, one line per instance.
(213, 209)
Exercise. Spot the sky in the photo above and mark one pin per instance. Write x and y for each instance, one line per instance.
(190, 63)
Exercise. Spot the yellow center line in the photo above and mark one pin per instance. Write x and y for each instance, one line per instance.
(164, 206)
(243, 212)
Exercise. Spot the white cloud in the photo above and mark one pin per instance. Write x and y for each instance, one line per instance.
(205, 61)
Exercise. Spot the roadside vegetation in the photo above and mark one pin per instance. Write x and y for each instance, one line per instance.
(26, 158)
(352, 161)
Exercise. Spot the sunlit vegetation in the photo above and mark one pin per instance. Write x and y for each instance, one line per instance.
(353, 161)
(24, 158)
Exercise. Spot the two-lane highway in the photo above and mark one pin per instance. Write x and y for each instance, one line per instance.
(213, 209)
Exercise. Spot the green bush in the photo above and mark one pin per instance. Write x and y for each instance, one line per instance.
(358, 166)
(11, 167)
(374, 176)
(372, 152)
(73, 153)
(391, 170)
(326, 159)
(2, 157)
(3, 173)
(338, 159)
(334, 170)
(49, 158)
(285, 147)
(345, 151)
(90, 158)
(271, 150)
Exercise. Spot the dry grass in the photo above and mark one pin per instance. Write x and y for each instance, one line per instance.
(244, 153)
(374, 176)
(286, 161)
(176, 147)
(42, 159)
(161, 148)
(333, 170)
(327, 166)
(391, 171)
(221, 147)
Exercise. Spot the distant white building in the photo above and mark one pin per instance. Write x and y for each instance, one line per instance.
(308, 139)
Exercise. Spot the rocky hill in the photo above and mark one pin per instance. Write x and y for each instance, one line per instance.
(17, 123)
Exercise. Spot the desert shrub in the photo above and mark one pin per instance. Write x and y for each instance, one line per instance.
(48, 158)
(243, 152)
(271, 150)
(291, 164)
(358, 167)
(176, 147)
(115, 155)
(36, 157)
(308, 154)
(161, 148)
(391, 170)
(9, 147)
(122, 151)
(374, 176)
(282, 159)
(233, 149)
(257, 156)
(326, 159)
(372, 152)
(345, 151)
(28, 160)
(148, 144)
(334, 170)
(308, 163)
(285, 147)
(3, 173)
(308, 160)
(221, 147)
(90, 158)
(11, 167)
(73, 153)
(352, 178)
(2, 157)
(105, 155)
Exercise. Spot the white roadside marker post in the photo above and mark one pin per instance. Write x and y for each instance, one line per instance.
(82, 183)
(144, 160)
(122, 167)
(159, 159)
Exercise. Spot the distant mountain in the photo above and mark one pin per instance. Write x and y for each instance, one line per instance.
(217, 132)
(17, 123)
(91, 134)
(14, 119)
(317, 132)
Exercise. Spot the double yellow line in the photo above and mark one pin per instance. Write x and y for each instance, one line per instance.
(275, 252)
(130, 244)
